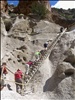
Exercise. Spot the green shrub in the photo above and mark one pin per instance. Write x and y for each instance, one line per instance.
(13, 15)
(39, 9)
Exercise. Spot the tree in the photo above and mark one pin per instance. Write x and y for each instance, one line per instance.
(39, 9)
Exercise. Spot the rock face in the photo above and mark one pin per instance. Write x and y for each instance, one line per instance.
(24, 7)
(4, 6)
(21, 28)
(47, 4)
(64, 69)
(63, 17)
(3, 30)
(71, 56)
(59, 85)
(46, 27)
(55, 78)
(72, 27)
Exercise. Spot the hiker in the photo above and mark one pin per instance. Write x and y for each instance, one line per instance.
(46, 45)
(28, 64)
(1, 80)
(61, 29)
(18, 79)
(20, 72)
(4, 71)
(37, 55)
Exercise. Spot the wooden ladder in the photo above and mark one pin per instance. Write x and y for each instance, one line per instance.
(44, 55)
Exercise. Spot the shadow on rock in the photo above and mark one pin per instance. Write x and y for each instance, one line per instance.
(63, 70)
(52, 83)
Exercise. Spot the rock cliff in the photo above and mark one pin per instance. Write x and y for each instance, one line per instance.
(4, 6)
(25, 6)
(55, 79)
(63, 17)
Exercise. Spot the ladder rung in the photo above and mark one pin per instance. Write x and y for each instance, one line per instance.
(45, 53)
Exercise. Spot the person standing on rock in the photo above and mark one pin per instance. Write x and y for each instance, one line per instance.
(4, 71)
(18, 80)
(1, 80)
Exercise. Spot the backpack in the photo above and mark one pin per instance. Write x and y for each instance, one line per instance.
(17, 75)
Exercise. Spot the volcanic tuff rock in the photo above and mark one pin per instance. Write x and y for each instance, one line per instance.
(71, 56)
(63, 17)
(25, 6)
(4, 6)
(3, 30)
(64, 49)
(55, 78)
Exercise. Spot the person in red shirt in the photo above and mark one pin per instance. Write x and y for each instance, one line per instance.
(18, 79)
(4, 69)
(20, 72)
(28, 64)
(3, 72)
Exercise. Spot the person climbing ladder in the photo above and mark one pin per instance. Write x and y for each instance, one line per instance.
(3, 72)
(28, 64)
(37, 55)
(46, 45)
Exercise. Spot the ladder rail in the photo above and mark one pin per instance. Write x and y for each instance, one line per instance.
(47, 52)
(37, 64)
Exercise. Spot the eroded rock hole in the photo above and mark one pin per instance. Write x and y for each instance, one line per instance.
(19, 60)
(23, 63)
(21, 48)
(14, 62)
(18, 56)
(20, 38)
(24, 58)
(8, 25)
(9, 59)
(69, 72)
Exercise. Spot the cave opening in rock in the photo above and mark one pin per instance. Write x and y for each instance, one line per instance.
(69, 72)
(8, 26)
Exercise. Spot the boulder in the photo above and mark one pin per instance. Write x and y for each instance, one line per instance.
(46, 27)
(21, 28)
(59, 85)
(70, 56)
(73, 44)
(59, 52)
(64, 69)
